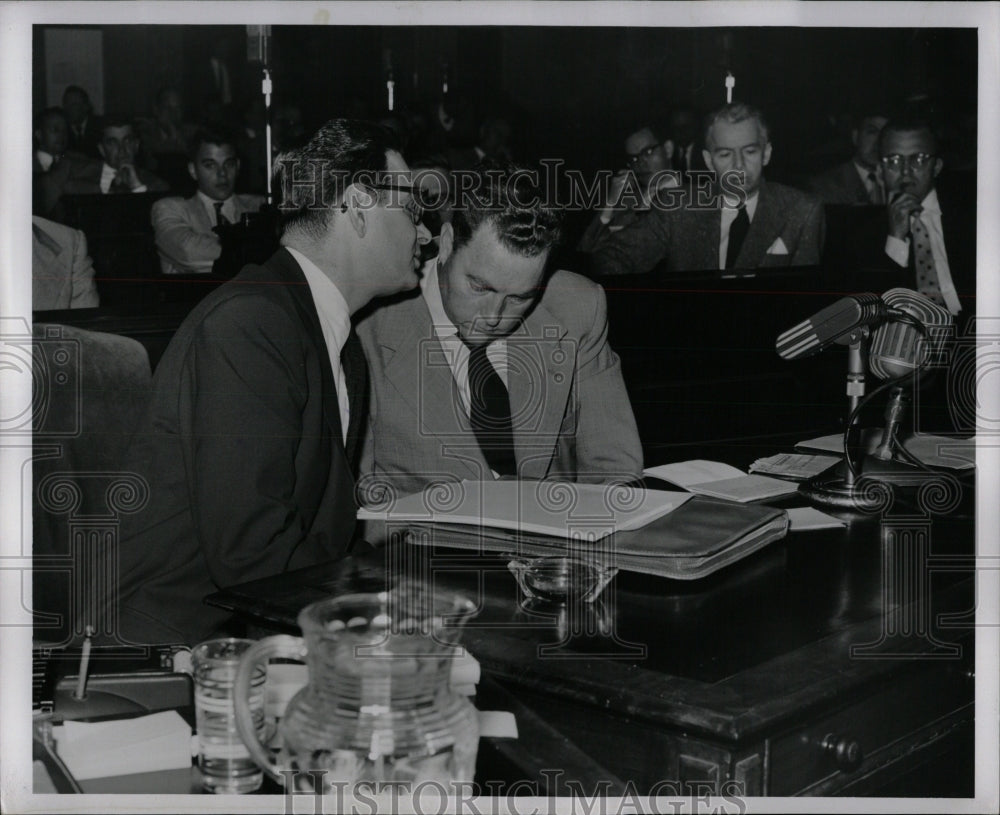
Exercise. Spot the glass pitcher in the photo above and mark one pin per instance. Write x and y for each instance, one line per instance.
(378, 706)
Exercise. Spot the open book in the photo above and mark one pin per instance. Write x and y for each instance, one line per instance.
(719, 480)
(556, 508)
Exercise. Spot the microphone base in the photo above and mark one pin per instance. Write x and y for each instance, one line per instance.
(866, 494)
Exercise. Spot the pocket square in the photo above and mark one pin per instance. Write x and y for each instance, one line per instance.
(777, 248)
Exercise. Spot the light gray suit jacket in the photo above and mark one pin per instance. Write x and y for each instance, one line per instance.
(571, 415)
(184, 236)
(62, 274)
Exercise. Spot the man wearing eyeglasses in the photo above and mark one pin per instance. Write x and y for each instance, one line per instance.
(648, 169)
(743, 222)
(250, 440)
(930, 234)
(496, 368)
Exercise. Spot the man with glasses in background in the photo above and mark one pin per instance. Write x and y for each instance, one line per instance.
(249, 442)
(648, 169)
(930, 237)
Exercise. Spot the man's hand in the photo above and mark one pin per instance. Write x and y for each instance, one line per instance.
(128, 177)
(901, 207)
(614, 193)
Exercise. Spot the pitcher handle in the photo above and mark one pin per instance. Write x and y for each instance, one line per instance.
(280, 646)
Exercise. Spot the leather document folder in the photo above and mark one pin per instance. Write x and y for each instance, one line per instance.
(698, 538)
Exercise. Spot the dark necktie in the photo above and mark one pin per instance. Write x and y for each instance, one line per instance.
(737, 232)
(875, 194)
(490, 413)
(219, 217)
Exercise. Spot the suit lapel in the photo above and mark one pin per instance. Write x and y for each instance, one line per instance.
(48, 251)
(200, 216)
(540, 367)
(764, 228)
(698, 239)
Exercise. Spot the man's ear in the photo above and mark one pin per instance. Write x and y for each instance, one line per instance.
(359, 203)
(938, 166)
(707, 156)
(191, 171)
(446, 243)
(767, 153)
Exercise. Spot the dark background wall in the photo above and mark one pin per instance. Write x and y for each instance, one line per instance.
(571, 92)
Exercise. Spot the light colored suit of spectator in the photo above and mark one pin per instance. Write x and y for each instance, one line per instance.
(183, 230)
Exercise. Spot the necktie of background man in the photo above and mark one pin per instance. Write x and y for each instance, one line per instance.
(874, 190)
(490, 413)
(737, 233)
(219, 217)
(923, 262)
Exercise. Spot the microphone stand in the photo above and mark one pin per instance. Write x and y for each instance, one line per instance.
(839, 488)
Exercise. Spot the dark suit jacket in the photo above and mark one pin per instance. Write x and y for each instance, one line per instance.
(242, 449)
(840, 185)
(86, 142)
(688, 238)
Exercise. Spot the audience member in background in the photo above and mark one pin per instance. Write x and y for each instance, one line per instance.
(745, 222)
(118, 147)
(84, 126)
(166, 136)
(930, 233)
(56, 170)
(258, 404)
(855, 181)
(684, 136)
(648, 169)
(493, 144)
(62, 274)
(529, 385)
(185, 227)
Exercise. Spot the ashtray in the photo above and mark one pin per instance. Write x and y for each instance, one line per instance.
(560, 579)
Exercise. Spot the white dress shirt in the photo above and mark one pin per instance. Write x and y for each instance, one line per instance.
(45, 160)
(455, 350)
(730, 210)
(228, 207)
(899, 250)
(335, 321)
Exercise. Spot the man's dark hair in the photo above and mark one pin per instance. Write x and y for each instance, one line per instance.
(508, 199)
(310, 180)
(78, 90)
(907, 124)
(734, 113)
(44, 115)
(116, 119)
(219, 136)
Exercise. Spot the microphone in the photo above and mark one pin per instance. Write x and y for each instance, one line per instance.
(897, 348)
(835, 321)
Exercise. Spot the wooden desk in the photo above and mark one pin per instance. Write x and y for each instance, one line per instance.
(833, 662)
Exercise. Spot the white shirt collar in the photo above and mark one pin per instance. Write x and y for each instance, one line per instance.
(45, 159)
(751, 204)
(108, 174)
(931, 203)
(330, 303)
(430, 287)
(228, 207)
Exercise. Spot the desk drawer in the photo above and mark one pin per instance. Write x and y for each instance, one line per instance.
(847, 743)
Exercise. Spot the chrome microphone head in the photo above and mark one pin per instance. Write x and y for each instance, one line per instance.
(829, 325)
(898, 348)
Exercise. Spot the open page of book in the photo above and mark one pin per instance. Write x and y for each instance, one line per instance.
(721, 481)
(559, 508)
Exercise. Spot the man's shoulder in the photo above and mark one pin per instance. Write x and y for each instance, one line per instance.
(249, 202)
(385, 314)
(172, 204)
(59, 233)
(785, 197)
(572, 298)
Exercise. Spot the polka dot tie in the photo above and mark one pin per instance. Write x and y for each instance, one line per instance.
(923, 262)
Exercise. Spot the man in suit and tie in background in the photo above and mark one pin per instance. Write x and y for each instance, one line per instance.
(744, 223)
(855, 181)
(494, 368)
(55, 169)
(62, 274)
(184, 228)
(250, 438)
(84, 127)
(930, 235)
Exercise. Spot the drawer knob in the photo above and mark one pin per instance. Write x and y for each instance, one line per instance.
(846, 752)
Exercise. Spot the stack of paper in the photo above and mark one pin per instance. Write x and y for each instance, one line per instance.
(160, 741)
(795, 466)
(719, 480)
(555, 508)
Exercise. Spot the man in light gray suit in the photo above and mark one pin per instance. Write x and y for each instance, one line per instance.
(184, 227)
(491, 370)
(741, 223)
(62, 274)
